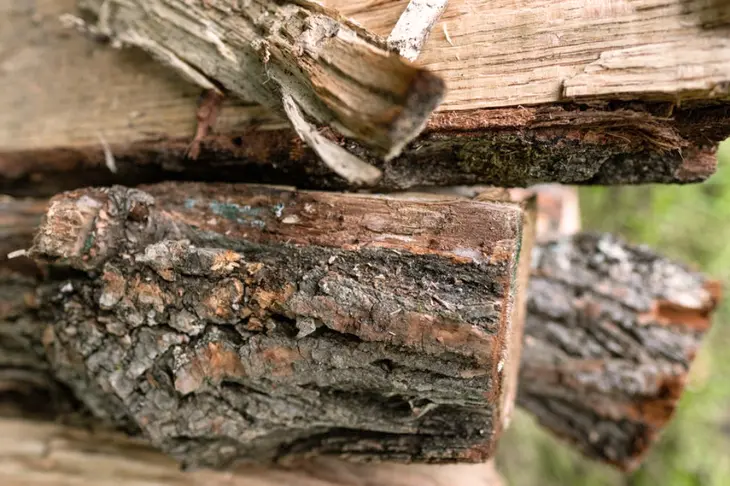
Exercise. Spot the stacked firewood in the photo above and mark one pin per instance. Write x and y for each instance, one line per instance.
(354, 266)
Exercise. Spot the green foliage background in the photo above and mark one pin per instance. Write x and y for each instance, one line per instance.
(692, 224)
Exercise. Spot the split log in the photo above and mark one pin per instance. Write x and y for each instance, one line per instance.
(603, 368)
(232, 323)
(338, 74)
(64, 91)
(35, 454)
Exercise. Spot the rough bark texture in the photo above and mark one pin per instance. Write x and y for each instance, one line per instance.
(611, 332)
(608, 401)
(338, 74)
(236, 323)
(35, 454)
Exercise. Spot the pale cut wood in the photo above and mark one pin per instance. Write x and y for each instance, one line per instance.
(62, 92)
(521, 52)
(45, 454)
(340, 75)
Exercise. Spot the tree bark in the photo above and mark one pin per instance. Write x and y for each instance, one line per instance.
(612, 330)
(603, 367)
(232, 323)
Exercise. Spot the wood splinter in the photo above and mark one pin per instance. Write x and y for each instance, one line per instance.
(414, 26)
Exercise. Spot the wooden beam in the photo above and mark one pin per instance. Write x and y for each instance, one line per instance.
(605, 393)
(63, 92)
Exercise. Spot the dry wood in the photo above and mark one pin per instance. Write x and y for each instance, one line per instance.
(62, 91)
(236, 323)
(612, 330)
(414, 26)
(338, 74)
(587, 378)
(35, 454)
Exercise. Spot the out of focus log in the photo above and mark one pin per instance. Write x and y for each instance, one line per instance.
(611, 332)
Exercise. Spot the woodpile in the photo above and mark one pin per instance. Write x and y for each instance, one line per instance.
(330, 259)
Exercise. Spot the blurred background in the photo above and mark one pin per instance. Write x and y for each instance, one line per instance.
(691, 224)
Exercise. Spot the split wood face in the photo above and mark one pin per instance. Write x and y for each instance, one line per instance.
(235, 323)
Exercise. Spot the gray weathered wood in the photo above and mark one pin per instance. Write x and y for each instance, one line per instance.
(337, 73)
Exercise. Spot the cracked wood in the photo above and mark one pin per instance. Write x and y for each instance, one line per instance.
(64, 90)
(232, 323)
(338, 74)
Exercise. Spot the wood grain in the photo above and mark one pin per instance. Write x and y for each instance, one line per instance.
(41, 454)
(64, 92)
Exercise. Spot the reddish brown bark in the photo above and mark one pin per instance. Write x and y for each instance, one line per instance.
(232, 323)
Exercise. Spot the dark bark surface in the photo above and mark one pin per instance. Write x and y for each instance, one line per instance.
(611, 332)
(240, 323)
(511, 147)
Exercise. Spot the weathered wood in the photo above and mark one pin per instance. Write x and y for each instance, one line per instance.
(612, 330)
(414, 26)
(33, 453)
(337, 73)
(63, 91)
(507, 149)
(616, 418)
(232, 323)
